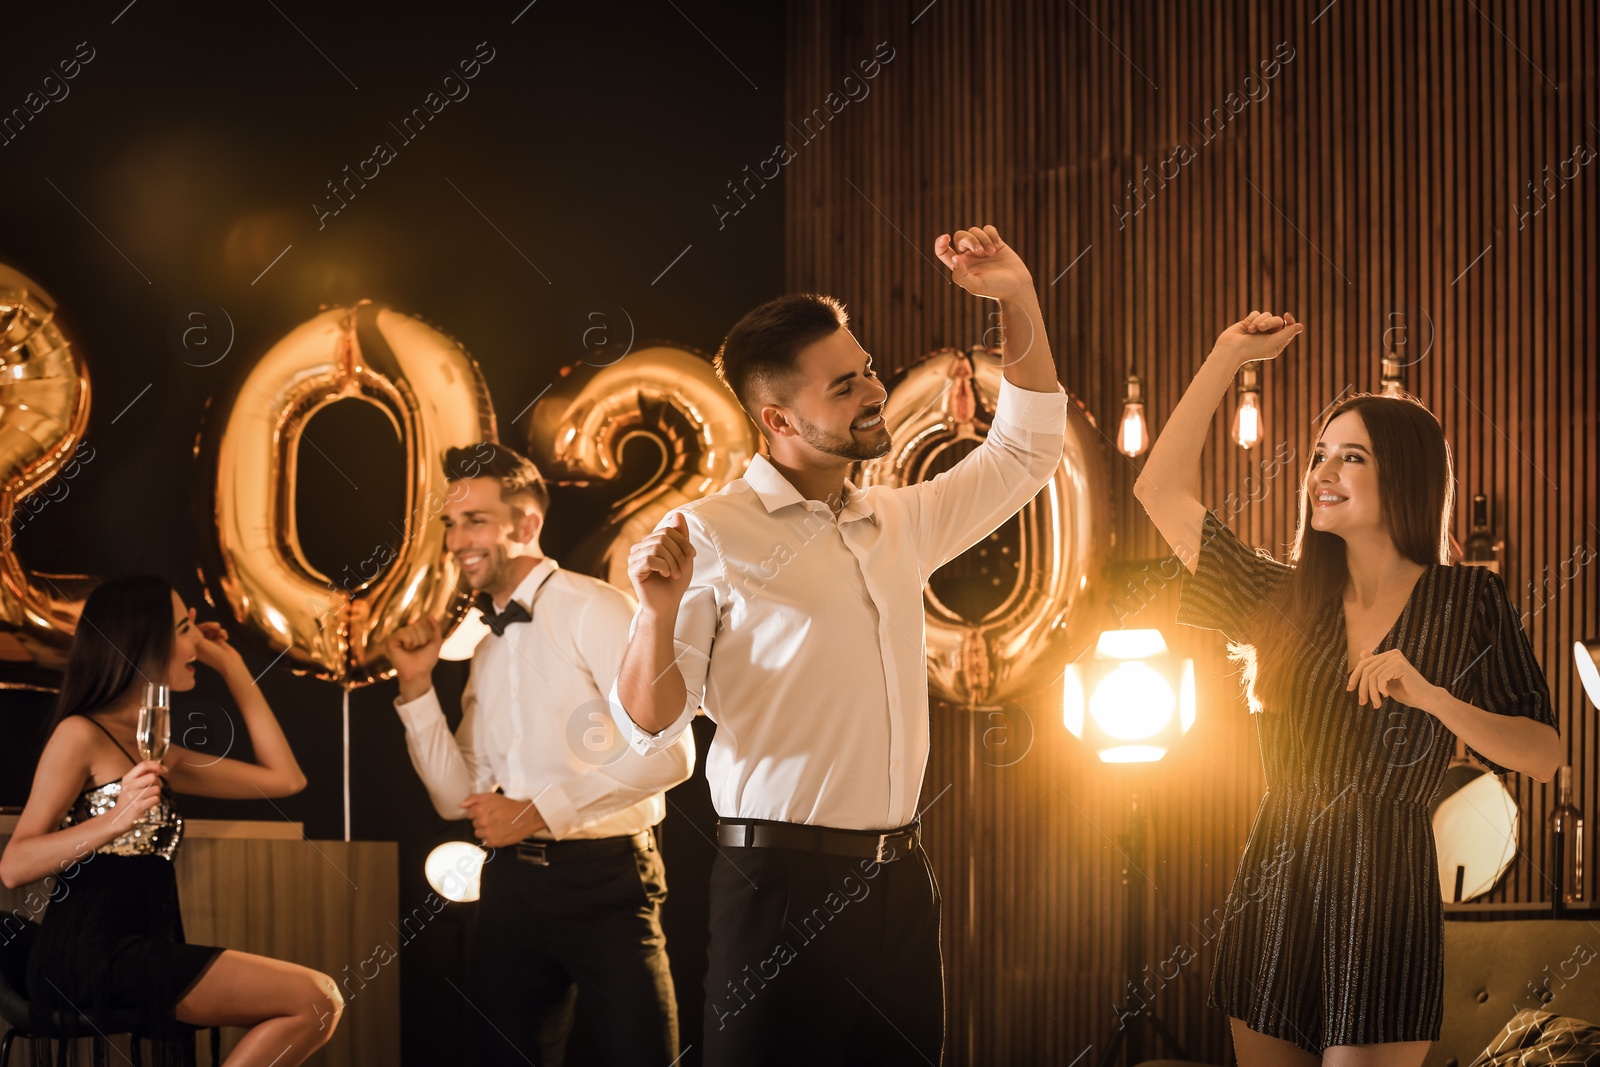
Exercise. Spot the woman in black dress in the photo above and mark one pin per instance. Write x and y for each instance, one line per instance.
(103, 823)
(1365, 657)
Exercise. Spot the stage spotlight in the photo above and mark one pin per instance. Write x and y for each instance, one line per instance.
(1133, 700)
(453, 868)
(1130, 703)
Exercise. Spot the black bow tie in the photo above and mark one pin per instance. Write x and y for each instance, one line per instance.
(498, 622)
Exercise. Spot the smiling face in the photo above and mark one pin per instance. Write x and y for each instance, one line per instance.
(834, 406)
(1342, 483)
(185, 646)
(486, 533)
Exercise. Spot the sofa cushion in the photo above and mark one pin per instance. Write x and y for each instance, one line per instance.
(1494, 970)
(1537, 1039)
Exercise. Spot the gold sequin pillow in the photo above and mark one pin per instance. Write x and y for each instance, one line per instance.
(1540, 1039)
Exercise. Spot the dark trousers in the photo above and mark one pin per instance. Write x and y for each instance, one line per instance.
(820, 960)
(593, 923)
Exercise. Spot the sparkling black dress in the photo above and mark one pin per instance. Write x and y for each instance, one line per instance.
(1333, 933)
(112, 937)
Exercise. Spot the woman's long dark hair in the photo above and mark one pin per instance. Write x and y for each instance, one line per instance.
(1416, 491)
(124, 638)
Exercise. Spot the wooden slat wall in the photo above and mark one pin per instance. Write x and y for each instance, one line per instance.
(1385, 158)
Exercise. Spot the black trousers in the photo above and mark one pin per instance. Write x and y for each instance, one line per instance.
(820, 960)
(593, 923)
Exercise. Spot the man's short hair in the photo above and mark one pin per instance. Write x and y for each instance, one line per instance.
(757, 359)
(489, 459)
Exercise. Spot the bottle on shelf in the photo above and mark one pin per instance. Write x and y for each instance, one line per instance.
(1481, 549)
(1566, 845)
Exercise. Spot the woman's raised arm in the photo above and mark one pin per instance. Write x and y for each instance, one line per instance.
(275, 773)
(1169, 485)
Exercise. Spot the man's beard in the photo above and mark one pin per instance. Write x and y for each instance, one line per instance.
(490, 574)
(846, 447)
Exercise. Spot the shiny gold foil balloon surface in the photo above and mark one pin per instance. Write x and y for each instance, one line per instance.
(669, 397)
(434, 396)
(44, 407)
(938, 410)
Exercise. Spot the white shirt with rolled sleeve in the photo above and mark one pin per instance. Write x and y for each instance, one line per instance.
(534, 718)
(802, 635)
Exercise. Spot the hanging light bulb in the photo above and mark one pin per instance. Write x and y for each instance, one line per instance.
(1133, 436)
(1394, 378)
(1247, 419)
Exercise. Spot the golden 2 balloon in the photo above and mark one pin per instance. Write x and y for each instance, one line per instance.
(662, 395)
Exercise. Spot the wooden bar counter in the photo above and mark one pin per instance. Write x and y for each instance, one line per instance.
(263, 887)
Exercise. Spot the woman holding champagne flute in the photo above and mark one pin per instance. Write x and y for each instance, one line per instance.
(100, 818)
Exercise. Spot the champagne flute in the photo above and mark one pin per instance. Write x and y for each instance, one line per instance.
(155, 722)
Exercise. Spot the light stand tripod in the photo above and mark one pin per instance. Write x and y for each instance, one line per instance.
(1130, 1026)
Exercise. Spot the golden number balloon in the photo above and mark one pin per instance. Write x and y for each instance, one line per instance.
(434, 396)
(44, 406)
(668, 396)
(1027, 588)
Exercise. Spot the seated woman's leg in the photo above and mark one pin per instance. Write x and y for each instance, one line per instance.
(290, 1010)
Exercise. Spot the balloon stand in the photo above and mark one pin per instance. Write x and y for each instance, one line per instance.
(346, 691)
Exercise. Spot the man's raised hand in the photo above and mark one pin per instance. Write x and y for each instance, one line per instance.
(660, 566)
(982, 264)
(414, 649)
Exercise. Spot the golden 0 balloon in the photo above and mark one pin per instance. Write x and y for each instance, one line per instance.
(1011, 636)
(435, 398)
(44, 407)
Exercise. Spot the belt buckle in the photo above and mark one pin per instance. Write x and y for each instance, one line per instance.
(538, 855)
(885, 840)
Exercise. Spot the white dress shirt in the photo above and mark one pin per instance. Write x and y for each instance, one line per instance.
(535, 718)
(802, 634)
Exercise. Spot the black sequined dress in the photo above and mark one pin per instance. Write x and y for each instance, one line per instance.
(112, 936)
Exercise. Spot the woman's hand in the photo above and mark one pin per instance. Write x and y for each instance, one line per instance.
(1390, 674)
(213, 649)
(1259, 335)
(141, 791)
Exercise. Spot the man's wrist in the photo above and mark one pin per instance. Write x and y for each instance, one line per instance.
(415, 687)
(658, 619)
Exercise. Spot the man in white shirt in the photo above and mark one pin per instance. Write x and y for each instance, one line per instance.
(572, 893)
(790, 606)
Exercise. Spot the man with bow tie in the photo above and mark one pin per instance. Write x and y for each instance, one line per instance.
(572, 895)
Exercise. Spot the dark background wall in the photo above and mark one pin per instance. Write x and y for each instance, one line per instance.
(1376, 181)
(187, 155)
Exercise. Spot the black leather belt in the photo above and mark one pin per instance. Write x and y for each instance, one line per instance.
(883, 846)
(541, 852)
